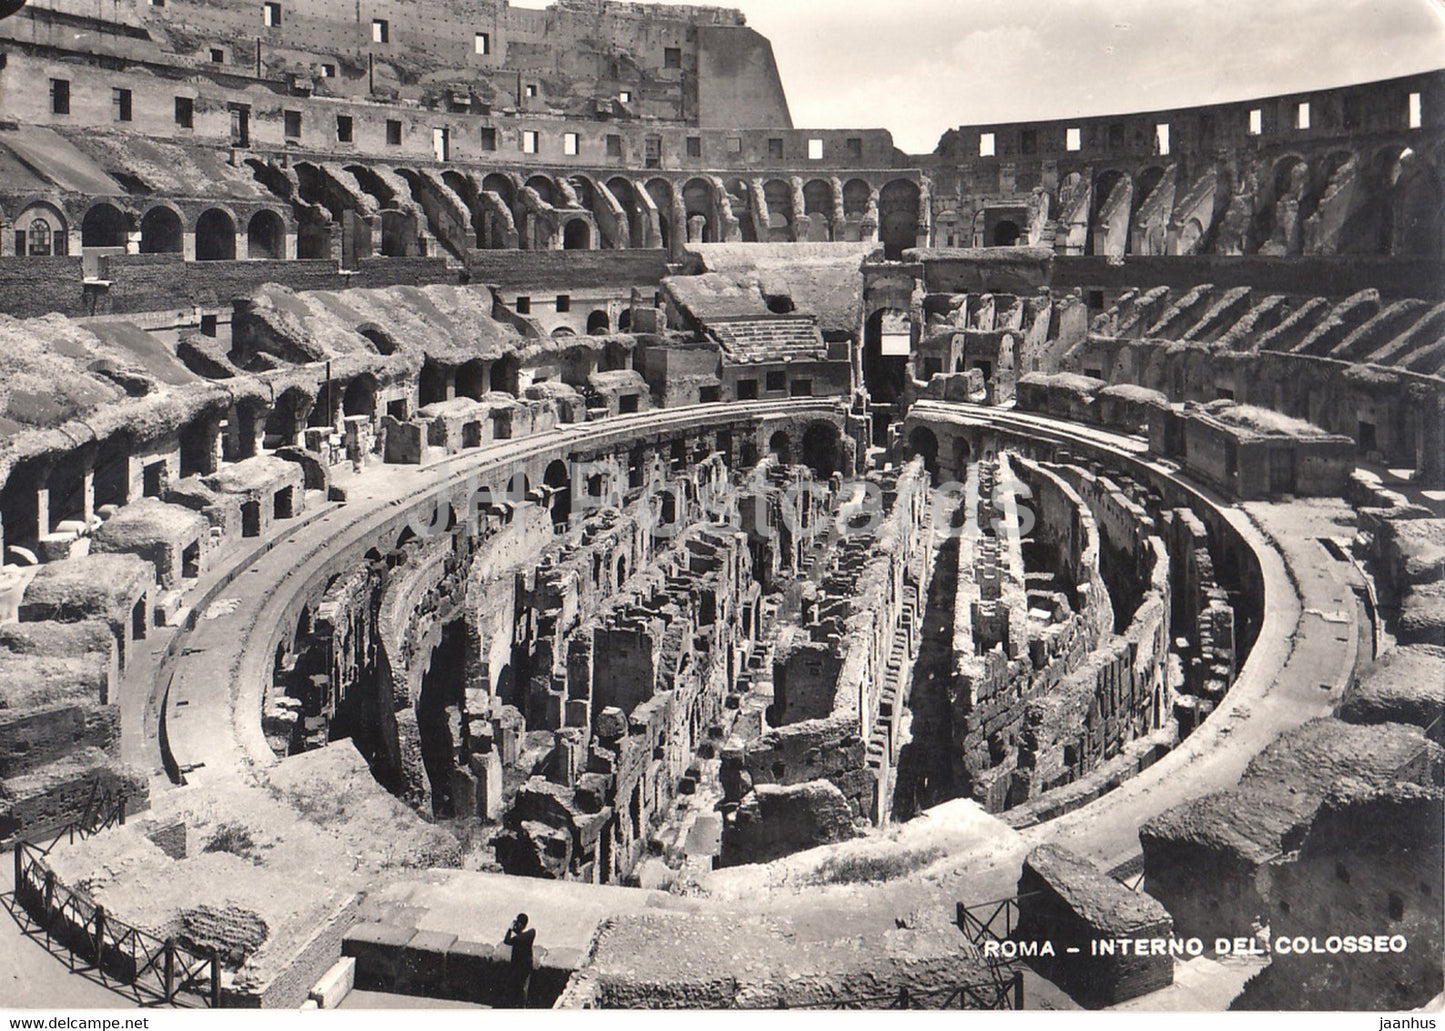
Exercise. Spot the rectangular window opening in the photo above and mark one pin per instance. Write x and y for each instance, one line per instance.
(380, 30)
(694, 146)
(122, 100)
(524, 306)
(735, 144)
(185, 112)
(60, 96)
(529, 141)
(564, 303)
(1073, 139)
(441, 143)
(570, 144)
(614, 145)
(482, 43)
(624, 96)
(271, 15)
(815, 150)
(291, 121)
(1302, 115)
(775, 148)
(218, 56)
(343, 129)
(1161, 138)
(986, 144)
(488, 137)
(393, 132)
(1256, 121)
(1413, 111)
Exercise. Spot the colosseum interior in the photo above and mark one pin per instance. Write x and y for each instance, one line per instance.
(459, 459)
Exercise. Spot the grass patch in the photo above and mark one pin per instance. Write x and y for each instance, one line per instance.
(236, 839)
(872, 867)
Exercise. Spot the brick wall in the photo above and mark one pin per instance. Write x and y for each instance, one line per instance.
(37, 286)
(530, 270)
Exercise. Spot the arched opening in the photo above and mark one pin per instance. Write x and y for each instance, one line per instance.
(104, 225)
(40, 232)
(856, 194)
(546, 189)
(779, 197)
(598, 324)
(577, 235)
(360, 397)
(502, 186)
(1005, 233)
(431, 385)
(160, 232)
(215, 236)
(1112, 203)
(266, 236)
(740, 200)
(625, 194)
(818, 209)
(559, 488)
(504, 374)
(898, 217)
(780, 447)
(887, 342)
(398, 235)
(472, 379)
(924, 444)
(697, 203)
(820, 448)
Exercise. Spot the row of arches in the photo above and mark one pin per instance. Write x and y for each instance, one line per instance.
(42, 230)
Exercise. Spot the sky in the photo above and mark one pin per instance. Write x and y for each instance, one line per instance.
(918, 67)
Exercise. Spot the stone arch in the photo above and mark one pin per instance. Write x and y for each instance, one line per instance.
(740, 196)
(625, 193)
(1111, 206)
(45, 231)
(781, 447)
(820, 448)
(359, 397)
(559, 483)
(598, 323)
(161, 231)
(818, 209)
(898, 217)
(778, 193)
(504, 374)
(545, 188)
(923, 443)
(697, 202)
(216, 235)
(856, 195)
(1006, 233)
(431, 384)
(577, 235)
(104, 225)
(472, 379)
(1413, 203)
(266, 235)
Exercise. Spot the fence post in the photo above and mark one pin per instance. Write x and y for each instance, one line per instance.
(122, 808)
(215, 979)
(962, 925)
(19, 864)
(170, 985)
(1018, 989)
(99, 934)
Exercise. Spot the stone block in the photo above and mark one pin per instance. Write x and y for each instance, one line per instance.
(424, 962)
(335, 984)
(377, 949)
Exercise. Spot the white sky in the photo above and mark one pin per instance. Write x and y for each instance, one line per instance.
(918, 67)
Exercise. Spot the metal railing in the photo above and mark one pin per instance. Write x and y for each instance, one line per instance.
(156, 971)
(1000, 993)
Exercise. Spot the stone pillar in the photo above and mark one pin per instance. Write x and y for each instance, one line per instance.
(87, 493)
(188, 246)
(291, 247)
(132, 242)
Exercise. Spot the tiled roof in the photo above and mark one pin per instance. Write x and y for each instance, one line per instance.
(769, 340)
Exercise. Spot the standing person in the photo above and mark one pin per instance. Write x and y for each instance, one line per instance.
(520, 937)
